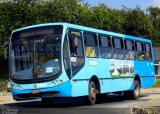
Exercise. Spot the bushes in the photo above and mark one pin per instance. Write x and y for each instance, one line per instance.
(3, 85)
(157, 83)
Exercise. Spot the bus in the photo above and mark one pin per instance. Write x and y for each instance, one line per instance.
(55, 60)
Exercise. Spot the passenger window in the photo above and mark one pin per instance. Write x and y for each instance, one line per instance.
(91, 45)
(148, 47)
(148, 52)
(140, 51)
(104, 41)
(117, 43)
(90, 39)
(129, 46)
(75, 41)
(105, 46)
(139, 46)
(118, 48)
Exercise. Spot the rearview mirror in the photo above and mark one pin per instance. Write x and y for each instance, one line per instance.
(6, 49)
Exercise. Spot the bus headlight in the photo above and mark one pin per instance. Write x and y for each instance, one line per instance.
(58, 82)
(15, 86)
(53, 84)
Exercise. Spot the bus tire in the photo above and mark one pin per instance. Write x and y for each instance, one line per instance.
(47, 101)
(92, 93)
(135, 93)
(136, 90)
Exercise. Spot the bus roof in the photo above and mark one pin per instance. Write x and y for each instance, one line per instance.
(68, 25)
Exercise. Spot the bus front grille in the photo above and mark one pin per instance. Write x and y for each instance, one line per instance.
(41, 94)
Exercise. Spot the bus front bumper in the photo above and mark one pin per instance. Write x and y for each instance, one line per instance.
(63, 90)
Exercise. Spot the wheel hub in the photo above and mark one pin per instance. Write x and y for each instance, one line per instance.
(93, 94)
(137, 91)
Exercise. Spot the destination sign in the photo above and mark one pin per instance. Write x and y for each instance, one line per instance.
(36, 33)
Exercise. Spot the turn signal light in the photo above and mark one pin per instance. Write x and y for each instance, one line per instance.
(35, 92)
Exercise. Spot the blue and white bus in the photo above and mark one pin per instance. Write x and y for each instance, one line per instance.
(66, 60)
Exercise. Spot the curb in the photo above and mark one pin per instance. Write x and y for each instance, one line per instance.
(151, 110)
(152, 90)
(141, 108)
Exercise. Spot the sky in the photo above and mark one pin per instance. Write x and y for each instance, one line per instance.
(144, 4)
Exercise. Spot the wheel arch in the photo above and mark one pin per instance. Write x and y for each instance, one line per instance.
(95, 79)
(137, 77)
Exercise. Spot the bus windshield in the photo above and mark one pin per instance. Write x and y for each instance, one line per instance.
(36, 53)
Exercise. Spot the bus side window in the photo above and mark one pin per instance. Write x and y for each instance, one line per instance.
(118, 48)
(129, 46)
(140, 51)
(148, 52)
(105, 46)
(91, 45)
(75, 42)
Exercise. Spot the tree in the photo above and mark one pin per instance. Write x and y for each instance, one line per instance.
(138, 23)
(154, 15)
(20, 13)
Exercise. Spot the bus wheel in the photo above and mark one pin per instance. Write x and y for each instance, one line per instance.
(92, 93)
(136, 90)
(135, 93)
(47, 101)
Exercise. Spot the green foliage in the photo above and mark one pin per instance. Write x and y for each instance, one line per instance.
(138, 23)
(154, 15)
(19, 13)
(157, 83)
(3, 85)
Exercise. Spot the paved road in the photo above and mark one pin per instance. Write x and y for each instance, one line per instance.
(114, 104)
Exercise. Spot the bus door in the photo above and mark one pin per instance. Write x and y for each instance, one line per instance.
(76, 51)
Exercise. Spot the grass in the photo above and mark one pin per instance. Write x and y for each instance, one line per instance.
(157, 83)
